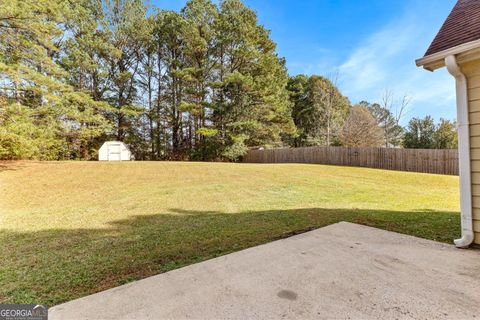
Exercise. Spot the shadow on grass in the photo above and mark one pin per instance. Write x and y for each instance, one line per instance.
(53, 266)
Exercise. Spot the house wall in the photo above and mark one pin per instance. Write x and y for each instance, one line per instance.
(472, 72)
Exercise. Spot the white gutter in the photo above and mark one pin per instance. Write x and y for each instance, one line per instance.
(464, 52)
(463, 152)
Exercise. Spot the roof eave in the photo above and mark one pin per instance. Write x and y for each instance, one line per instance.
(464, 52)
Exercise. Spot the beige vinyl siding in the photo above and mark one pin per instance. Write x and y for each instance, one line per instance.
(476, 224)
(474, 82)
(475, 130)
(476, 214)
(475, 154)
(475, 166)
(472, 72)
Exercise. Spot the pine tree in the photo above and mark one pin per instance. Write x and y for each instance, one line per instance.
(29, 47)
(319, 110)
(204, 83)
(420, 134)
(250, 103)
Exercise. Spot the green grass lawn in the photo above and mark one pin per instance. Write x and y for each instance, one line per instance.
(69, 229)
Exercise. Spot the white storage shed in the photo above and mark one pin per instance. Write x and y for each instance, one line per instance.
(114, 151)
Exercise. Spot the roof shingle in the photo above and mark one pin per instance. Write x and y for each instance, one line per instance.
(461, 26)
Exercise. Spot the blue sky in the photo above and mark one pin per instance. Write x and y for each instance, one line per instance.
(371, 44)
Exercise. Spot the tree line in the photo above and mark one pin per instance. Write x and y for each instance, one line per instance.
(323, 116)
(204, 83)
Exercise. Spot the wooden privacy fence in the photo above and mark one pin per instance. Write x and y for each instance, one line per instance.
(417, 160)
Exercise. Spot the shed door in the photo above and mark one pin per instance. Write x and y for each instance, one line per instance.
(114, 152)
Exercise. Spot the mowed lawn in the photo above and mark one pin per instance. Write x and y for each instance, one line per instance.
(69, 229)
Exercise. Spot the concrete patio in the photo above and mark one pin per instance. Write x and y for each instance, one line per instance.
(342, 271)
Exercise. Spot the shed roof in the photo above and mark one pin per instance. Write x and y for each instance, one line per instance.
(462, 26)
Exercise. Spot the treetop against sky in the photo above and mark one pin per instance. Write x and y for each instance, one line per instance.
(373, 45)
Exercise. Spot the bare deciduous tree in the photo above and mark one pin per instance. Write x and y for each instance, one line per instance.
(396, 109)
(333, 107)
(361, 129)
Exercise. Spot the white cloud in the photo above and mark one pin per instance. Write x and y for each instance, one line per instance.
(386, 59)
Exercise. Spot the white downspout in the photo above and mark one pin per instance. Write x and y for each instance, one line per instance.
(463, 152)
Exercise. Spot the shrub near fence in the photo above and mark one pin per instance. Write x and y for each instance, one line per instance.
(417, 160)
